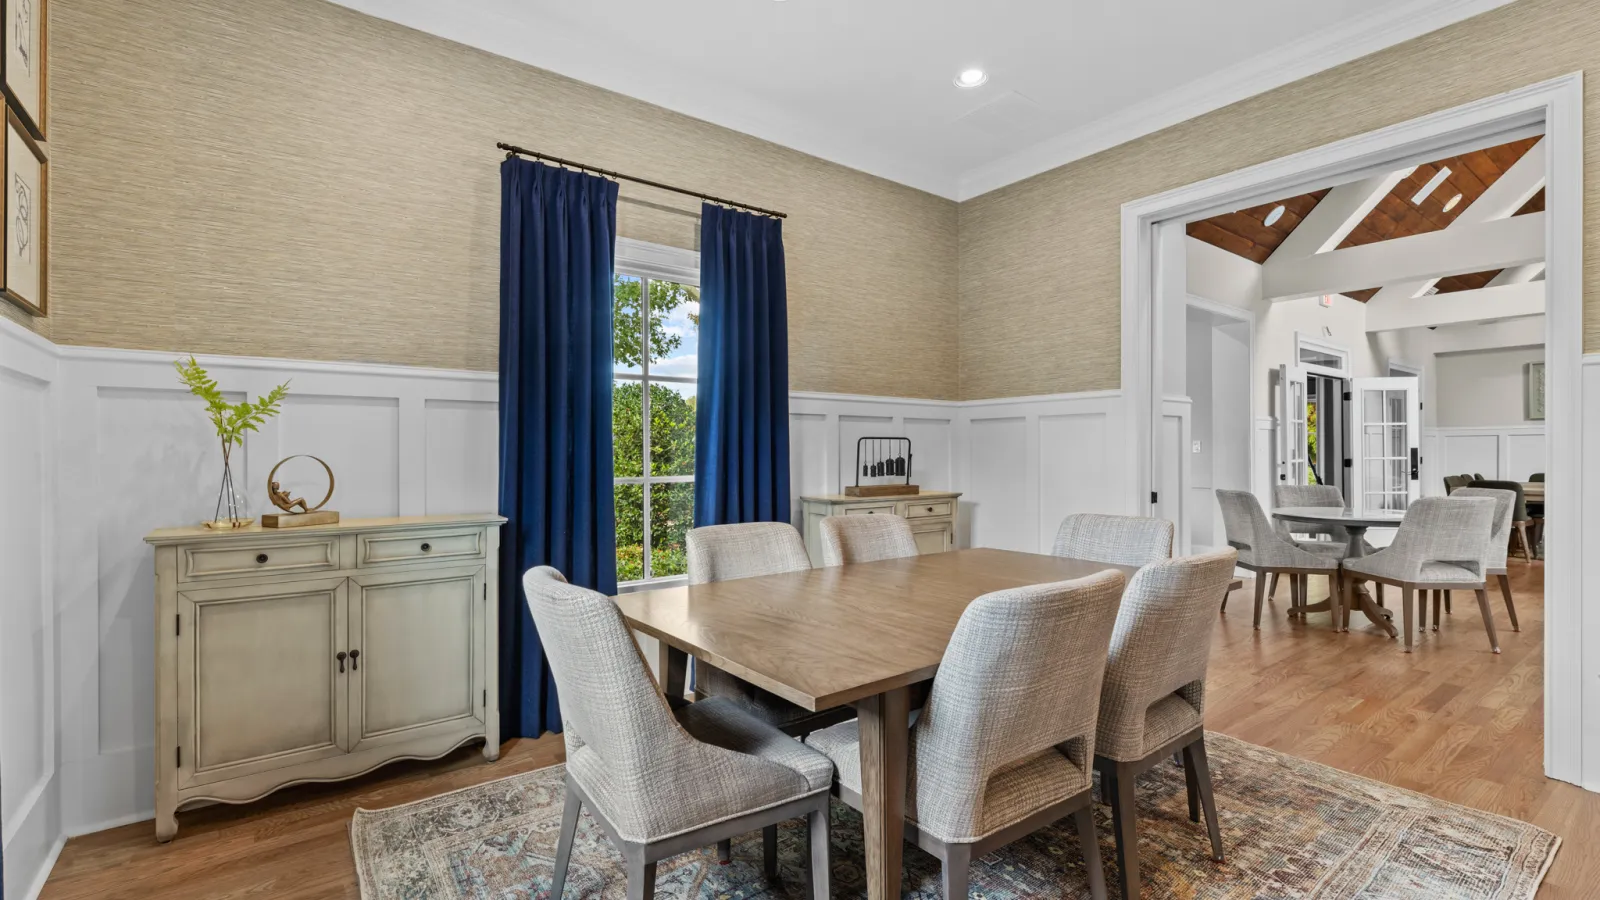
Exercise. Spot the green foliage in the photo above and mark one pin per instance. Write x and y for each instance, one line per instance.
(627, 329)
(672, 417)
(232, 420)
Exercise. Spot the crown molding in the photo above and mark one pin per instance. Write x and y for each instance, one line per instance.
(1257, 75)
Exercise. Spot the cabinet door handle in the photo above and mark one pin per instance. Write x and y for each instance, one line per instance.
(261, 557)
(426, 547)
(355, 660)
(340, 657)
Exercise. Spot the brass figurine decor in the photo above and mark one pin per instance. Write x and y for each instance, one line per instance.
(231, 420)
(284, 500)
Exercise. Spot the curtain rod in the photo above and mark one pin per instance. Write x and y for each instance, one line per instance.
(513, 150)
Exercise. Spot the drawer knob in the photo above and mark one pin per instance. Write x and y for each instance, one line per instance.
(426, 547)
(930, 509)
(340, 657)
(261, 557)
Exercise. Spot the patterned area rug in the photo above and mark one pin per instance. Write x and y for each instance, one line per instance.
(1292, 829)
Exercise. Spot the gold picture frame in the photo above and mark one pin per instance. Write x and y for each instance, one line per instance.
(24, 64)
(25, 229)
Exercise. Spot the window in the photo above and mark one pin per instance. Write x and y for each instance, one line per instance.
(653, 420)
(1321, 357)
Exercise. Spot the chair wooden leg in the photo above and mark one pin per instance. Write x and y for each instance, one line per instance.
(769, 851)
(641, 877)
(1511, 608)
(1191, 785)
(724, 852)
(1294, 595)
(817, 843)
(1200, 767)
(1125, 822)
(1224, 600)
(1260, 595)
(1089, 843)
(569, 832)
(1407, 613)
(1272, 590)
(1437, 601)
(1448, 609)
(1522, 534)
(1488, 619)
(957, 860)
(1422, 611)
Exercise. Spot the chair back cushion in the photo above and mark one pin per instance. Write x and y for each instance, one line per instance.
(725, 552)
(1519, 510)
(1453, 531)
(1308, 495)
(1119, 540)
(1259, 544)
(1159, 653)
(859, 539)
(1504, 509)
(1020, 677)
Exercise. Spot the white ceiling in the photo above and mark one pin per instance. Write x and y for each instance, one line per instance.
(868, 83)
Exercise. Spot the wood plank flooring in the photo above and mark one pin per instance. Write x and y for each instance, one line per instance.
(1451, 720)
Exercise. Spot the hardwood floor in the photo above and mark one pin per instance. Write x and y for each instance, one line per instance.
(1451, 720)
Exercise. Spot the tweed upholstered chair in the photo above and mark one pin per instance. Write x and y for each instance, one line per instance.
(1316, 495)
(1005, 745)
(1519, 512)
(1118, 540)
(1495, 560)
(1442, 544)
(859, 539)
(1266, 552)
(661, 785)
(1153, 701)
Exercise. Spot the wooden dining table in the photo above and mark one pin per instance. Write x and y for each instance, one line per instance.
(858, 635)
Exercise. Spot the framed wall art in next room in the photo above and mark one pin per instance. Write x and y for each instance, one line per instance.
(24, 268)
(23, 63)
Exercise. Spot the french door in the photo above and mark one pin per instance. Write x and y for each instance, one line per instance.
(1293, 438)
(1384, 423)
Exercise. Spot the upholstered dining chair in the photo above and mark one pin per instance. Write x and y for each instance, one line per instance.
(659, 784)
(1264, 551)
(1153, 702)
(1519, 511)
(1316, 495)
(1005, 745)
(1495, 558)
(1118, 540)
(1453, 482)
(1441, 545)
(859, 539)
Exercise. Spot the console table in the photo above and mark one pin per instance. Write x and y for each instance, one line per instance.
(319, 653)
(932, 515)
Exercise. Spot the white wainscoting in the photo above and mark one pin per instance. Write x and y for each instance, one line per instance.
(30, 804)
(1503, 453)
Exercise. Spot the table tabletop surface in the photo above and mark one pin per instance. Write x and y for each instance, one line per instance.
(825, 637)
(1533, 490)
(1333, 515)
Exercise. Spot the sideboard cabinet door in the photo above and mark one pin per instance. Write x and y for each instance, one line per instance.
(259, 687)
(421, 666)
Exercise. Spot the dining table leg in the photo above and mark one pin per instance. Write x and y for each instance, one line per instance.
(1375, 614)
(885, 733)
(672, 668)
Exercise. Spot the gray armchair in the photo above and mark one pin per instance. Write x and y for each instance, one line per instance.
(1442, 545)
(1118, 540)
(657, 784)
(1263, 550)
(1153, 701)
(1496, 556)
(1519, 511)
(859, 539)
(1005, 745)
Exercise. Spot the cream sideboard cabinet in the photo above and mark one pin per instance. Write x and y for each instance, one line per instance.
(932, 515)
(319, 653)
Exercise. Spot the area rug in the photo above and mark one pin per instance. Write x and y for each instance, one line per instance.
(1292, 829)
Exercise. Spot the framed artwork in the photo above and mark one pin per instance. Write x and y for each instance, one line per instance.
(24, 266)
(23, 63)
(1533, 388)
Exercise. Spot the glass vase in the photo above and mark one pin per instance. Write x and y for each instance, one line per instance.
(233, 501)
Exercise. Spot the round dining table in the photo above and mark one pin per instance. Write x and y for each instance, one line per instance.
(1356, 527)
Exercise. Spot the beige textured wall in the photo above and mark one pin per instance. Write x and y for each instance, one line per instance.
(296, 179)
(1040, 259)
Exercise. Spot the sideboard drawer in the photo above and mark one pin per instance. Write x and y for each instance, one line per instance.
(387, 548)
(887, 508)
(309, 554)
(919, 510)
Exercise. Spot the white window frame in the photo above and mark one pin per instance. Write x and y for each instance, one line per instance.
(1305, 341)
(652, 262)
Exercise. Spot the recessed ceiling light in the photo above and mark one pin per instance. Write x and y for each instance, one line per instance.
(1275, 215)
(971, 78)
(1451, 203)
(1433, 183)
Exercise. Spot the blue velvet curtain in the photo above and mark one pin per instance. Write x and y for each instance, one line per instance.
(557, 254)
(741, 462)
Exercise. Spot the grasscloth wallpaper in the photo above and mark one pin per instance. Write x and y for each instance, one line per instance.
(295, 179)
(1040, 259)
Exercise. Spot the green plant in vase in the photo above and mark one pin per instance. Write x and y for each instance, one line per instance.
(232, 421)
